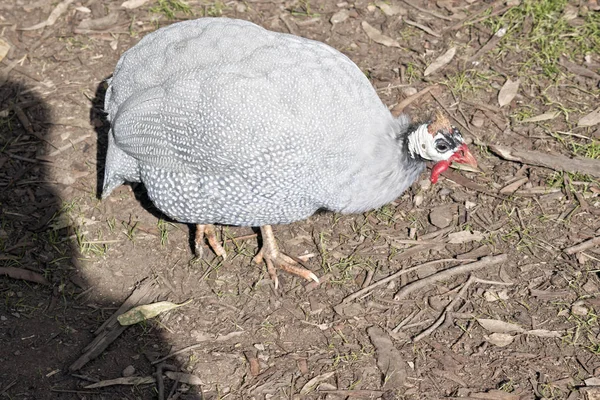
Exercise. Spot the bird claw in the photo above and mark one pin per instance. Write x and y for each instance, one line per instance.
(211, 237)
(285, 263)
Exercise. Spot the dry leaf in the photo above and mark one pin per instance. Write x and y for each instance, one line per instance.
(131, 4)
(513, 186)
(54, 15)
(500, 339)
(441, 61)
(497, 326)
(389, 360)
(508, 92)
(99, 23)
(4, 48)
(591, 119)
(131, 380)
(387, 9)
(315, 381)
(465, 237)
(542, 117)
(544, 333)
(147, 311)
(377, 36)
(339, 16)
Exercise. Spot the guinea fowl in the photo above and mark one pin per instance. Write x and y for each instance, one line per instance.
(225, 122)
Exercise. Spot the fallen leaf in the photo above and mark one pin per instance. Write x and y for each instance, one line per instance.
(339, 16)
(4, 48)
(590, 119)
(131, 380)
(389, 10)
(147, 311)
(441, 61)
(512, 187)
(389, 360)
(53, 17)
(593, 381)
(544, 333)
(542, 117)
(465, 237)
(500, 339)
(182, 377)
(497, 326)
(508, 92)
(99, 23)
(376, 36)
(131, 4)
(310, 385)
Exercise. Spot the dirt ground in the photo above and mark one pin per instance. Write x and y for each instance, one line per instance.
(525, 326)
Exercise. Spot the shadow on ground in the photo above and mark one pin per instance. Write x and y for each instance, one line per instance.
(49, 309)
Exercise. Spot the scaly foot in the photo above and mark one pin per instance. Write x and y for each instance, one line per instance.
(274, 258)
(211, 235)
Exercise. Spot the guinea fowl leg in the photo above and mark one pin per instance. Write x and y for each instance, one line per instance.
(211, 236)
(274, 258)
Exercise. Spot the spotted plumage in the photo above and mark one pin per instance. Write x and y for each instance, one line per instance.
(226, 122)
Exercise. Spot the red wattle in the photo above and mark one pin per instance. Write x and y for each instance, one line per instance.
(437, 169)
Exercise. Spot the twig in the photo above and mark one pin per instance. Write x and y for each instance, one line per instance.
(583, 246)
(233, 239)
(110, 330)
(68, 146)
(194, 346)
(422, 27)
(555, 162)
(23, 274)
(467, 20)
(472, 279)
(447, 273)
(426, 11)
(405, 321)
(397, 110)
(390, 278)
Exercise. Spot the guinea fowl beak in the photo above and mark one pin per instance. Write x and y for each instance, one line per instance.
(464, 156)
(461, 155)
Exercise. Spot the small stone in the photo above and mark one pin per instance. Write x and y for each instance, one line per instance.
(418, 199)
(128, 371)
(579, 309)
(425, 184)
(441, 217)
(339, 16)
(371, 8)
(409, 91)
(241, 8)
(470, 205)
(259, 346)
(477, 120)
(3, 318)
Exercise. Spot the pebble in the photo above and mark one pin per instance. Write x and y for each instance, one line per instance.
(441, 217)
(128, 371)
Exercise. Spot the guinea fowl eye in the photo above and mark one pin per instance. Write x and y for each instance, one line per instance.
(442, 147)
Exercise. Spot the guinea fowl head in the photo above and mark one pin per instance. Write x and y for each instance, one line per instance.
(440, 142)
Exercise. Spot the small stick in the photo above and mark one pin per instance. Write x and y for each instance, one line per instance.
(23, 274)
(390, 278)
(426, 11)
(583, 246)
(397, 110)
(445, 274)
(422, 27)
(472, 279)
